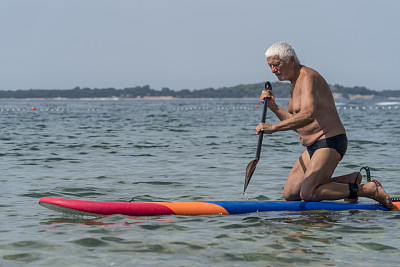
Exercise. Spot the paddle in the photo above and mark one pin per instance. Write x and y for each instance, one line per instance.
(252, 165)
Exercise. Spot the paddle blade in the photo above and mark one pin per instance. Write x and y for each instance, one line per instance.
(249, 172)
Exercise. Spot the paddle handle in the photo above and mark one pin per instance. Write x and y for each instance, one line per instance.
(263, 117)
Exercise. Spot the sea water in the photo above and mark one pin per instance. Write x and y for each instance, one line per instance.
(185, 150)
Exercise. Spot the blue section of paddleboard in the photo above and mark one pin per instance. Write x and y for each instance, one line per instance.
(239, 207)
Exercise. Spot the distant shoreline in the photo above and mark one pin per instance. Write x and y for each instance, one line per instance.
(241, 91)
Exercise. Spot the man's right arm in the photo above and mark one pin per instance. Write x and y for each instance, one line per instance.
(281, 113)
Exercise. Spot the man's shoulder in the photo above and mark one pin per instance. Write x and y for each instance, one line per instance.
(310, 76)
(311, 80)
(309, 72)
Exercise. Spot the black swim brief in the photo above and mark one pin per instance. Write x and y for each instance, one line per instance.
(338, 142)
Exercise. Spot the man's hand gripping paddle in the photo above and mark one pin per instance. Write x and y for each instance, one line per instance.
(252, 165)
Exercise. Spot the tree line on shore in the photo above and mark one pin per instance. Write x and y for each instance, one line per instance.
(281, 90)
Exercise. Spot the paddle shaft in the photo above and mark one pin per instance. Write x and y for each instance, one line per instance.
(261, 134)
(252, 165)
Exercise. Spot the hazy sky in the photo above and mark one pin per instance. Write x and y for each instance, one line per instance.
(61, 44)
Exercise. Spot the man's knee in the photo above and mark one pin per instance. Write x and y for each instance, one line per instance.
(307, 194)
(291, 196)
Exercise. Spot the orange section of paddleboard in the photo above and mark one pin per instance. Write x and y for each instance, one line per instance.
(397, 205)
(194, 208)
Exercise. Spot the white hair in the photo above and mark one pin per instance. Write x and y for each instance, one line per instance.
(282, 49)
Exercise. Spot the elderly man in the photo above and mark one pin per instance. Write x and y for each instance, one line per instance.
(312, 114)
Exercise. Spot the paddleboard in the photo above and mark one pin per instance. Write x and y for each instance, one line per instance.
(140, 208)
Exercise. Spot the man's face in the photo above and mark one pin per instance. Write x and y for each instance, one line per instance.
(279, 67)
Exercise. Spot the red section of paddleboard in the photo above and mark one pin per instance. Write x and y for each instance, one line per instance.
(111, 207)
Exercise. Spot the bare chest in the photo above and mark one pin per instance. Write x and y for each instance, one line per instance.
(295, 101)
